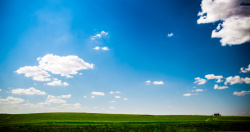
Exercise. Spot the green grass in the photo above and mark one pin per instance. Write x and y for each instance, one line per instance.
(120, 122)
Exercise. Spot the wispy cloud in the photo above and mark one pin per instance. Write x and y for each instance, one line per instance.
(170, 35)
(187, 94)
(242, 93)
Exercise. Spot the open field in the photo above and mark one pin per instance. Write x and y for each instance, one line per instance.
(120, 122)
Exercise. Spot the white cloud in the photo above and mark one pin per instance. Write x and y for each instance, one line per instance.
(11, 100)
(35, 72)
(125, 98)
(220, 87)
(187, 94)
(170, 35)
(92, 97)
(54, 99)
(112, 101)
(148, 82)
(158, 82)
(66, 96)
(234, 28)
(245, 70)
(111, 92)
(98, 36)
(200, 81)
(0, 90)
(57, 83)
(30, 91)
(105, 48)
(234, 80)
(85, 97)
(117, 97)
(63, 65)
(199, 90)
(212, 76)
(242, 93)
(247, 80)
(97, 48)
(97, 93)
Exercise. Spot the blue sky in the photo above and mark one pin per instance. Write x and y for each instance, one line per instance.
(130, 56)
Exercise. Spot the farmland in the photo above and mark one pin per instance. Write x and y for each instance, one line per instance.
(120, 122)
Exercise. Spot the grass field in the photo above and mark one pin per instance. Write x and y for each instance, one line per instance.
(120, 122)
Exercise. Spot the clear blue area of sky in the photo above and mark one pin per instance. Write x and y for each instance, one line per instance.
(140, 50)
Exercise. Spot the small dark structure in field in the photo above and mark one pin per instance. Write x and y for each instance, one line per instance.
(217, 114)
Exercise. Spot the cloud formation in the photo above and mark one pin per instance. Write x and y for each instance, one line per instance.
(237, 79)
(187, 94)
(212, 76)
(66, 96)
(55, 99)
(11, 100)
(170, 35)
(234, 14)
(245, 70)
(35, 72)
(158, 82)
(30, 91)
(148, 82)
(242, 93)
(57, 83)
(63, 65)
(200, 81)
(220, 87)
(100, 35)
(199, 90)
(97, 93)
(101, 48)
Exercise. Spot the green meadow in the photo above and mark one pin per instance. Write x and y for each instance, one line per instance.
(120, 122)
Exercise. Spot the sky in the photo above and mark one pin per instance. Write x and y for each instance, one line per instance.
(162, 57)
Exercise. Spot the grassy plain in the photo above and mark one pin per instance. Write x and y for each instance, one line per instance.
(120, 122)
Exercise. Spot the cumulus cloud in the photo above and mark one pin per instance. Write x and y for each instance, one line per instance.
(30, 91)
(11, 100)
(212, 76)
(245, 70)
(170, 35)
(97, 93)
(148, 82)
(35, 72)
(102, 48)
(63, 65)
(242, 93)
(234, 14)
(220, 87)
(97, 48)
(158, 82)
(100, 35)
(55, 99)
(105, 48)
(234, 80)
(200, 81)
(199, 90)
(66, 96)
(187, 94)
(57, 83)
